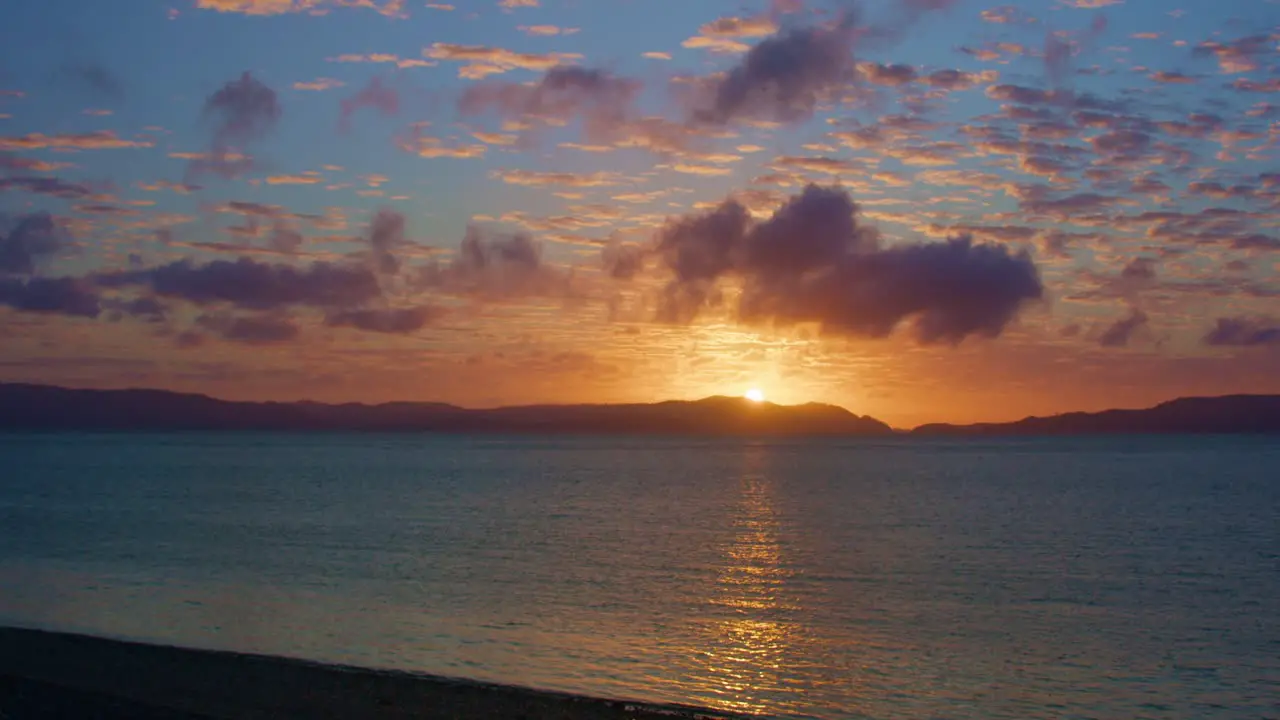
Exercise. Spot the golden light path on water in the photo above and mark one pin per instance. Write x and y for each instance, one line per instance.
(744, 658)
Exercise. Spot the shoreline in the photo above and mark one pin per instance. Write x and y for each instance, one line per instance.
(45, 672)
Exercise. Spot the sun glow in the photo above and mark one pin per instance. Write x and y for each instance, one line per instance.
(754, 395)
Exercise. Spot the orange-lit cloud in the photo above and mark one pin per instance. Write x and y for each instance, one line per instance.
(482, 61)
(528, 178)
(100, 140)
(319, 84)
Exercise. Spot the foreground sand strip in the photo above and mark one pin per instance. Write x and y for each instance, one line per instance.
(217, 684)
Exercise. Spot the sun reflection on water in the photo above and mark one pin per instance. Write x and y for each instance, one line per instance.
(744, 656)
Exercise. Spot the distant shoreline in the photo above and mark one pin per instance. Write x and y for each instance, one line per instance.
(26, 407)
(45, 672)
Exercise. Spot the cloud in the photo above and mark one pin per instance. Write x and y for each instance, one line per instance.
(249, 284)
(783, 77)
(375, 96)
(496, 267)
(546, 30)
(32, 239)
(482, 61)
(957, 79)
(393, 321)
(1243, 332)
(250, 329)
(1139, 269)
(386, 235)
(419, 143)
(623, 261)
(530, 178)
(388, 58)
(602, 100)
(1060, 47)
(303, 179)
(319, 84)
(284, 238)
(46, 186)
(1171, 77)
(65, 296)
(812, 262)
(98, 140)
(242, 111)
(1238, 56)
(890, 75)
(1120, 332)
(146, 308)
(722, 35)
(16, 163)
(94, 78)
(257, 7)
(390, 8)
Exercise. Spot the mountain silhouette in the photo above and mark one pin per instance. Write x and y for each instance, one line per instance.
(1235, 414)
(43, 407)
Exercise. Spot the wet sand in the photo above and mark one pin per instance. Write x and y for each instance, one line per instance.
(49, 674)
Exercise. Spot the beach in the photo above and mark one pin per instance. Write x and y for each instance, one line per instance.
(52, 674)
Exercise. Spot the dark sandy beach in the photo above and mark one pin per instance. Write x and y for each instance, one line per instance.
(58, 675)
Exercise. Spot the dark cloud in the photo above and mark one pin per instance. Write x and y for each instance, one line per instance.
(1120, 332)
(242, 111)
(386, 234)
(395, 321)
(812, 262)
(1139, 269)
(46, 186)
(94, 78)
(623, 261)
(250, 329)
(496, 267)
(284, 238)
(66, 296)
(33, 238)
(145, 308)
(1255, 241)
(375, 96)
(602, 100)
(250, 284)
(1243, 332)
(784, 76)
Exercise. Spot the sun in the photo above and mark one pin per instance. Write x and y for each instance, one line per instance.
(754, 395)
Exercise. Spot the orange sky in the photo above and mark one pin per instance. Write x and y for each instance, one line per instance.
(928, 210)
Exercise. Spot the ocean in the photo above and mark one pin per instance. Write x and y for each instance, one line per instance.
(881, 578)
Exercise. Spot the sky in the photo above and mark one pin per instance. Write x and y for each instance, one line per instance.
(921, 210)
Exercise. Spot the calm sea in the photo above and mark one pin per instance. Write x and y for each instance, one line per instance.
(1117, 578)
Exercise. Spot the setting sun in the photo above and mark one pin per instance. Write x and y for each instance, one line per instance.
(754, 395)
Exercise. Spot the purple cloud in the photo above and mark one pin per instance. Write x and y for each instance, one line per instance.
(250, 329)
(1120, 332)
(375, 96)
(65, 296)
(812, 262)
(603, 100)
(1243, 332)
(393, 321)
(253, 285)
(32, 239)
(242, 111)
